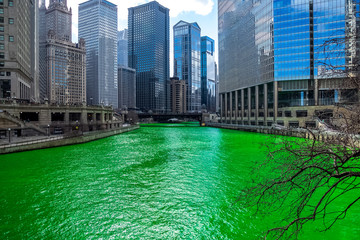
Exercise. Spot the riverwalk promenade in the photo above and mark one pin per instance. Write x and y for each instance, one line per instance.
(19, 144)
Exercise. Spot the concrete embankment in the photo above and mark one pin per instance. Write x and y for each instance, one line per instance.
(63, 141)
(293, 132)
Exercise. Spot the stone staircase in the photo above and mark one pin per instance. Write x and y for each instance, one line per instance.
(20, 123)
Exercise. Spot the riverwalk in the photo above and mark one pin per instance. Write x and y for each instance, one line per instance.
(40, 142)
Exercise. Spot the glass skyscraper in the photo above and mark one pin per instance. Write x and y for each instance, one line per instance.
(98, 26)
(208, 74)
(123, 48)
(148, 27)
(271, 58)
(187, 61)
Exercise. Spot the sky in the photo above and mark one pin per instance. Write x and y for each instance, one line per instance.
(204, 12)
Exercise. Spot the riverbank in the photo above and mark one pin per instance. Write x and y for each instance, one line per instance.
(58, 141)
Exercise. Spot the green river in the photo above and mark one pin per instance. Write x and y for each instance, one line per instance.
(158, 182)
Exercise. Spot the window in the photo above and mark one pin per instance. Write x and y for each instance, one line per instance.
(2, 47)
(11, 38)
(11, 3)
(1, 28)
(1, 19)
(8, 73)
(1, 11)
(2, 55)
(2, 73)
(11, 21)
(1, 2)
(2, 38)
(2, 64)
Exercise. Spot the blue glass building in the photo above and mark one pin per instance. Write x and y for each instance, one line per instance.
(98, 26)
(208, 74)
(123, 48)
(187, 61)
(148, 27)
(272, 58)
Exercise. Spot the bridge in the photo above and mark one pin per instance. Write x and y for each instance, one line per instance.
(165, 117)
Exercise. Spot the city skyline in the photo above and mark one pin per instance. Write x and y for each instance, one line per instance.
(204, 12)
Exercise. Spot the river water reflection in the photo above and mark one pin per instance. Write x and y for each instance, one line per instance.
(153, 183)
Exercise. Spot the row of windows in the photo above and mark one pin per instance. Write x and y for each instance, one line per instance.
(11, 20)
(10, 3)
(2, 38)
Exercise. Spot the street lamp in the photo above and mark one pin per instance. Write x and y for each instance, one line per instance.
(9, 134)
(48, 130)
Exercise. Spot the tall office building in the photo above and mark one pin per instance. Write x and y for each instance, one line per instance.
(187, 61)
(18, 47)
(208, 74)
(178, 89)
(271, 64)
(123, 48)
(98, 26)
(63, 63)
(127, 87)
(149, 55)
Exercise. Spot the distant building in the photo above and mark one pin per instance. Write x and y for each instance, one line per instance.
(187, 61)
(66, 64)
(98, 26)
(122, 48)
(63, 80)
(18, 50)
(178, 89)
(149, 55)
(208, 74)
(127, 87)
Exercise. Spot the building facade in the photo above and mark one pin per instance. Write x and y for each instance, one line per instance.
(122, 48)
(63, 77)
(66, 64)
(98, 26)
(148, 46)
(178, 89)
(187, 64)
(208, 74)
(273, 64)
(18, 50)
(127, 87)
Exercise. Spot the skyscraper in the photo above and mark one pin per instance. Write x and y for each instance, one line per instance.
(18, 47)
(149, 55)
(270, 59)
(123, 48)
(187, 61)
(127, 87)
(208, 74)
(98, 26)
(63, 70)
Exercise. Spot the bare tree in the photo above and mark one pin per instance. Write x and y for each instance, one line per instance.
(317, 178)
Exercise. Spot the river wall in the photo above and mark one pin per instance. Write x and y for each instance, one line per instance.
(63, 141)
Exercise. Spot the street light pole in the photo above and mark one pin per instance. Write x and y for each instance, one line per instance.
(9, 135)
(48, 130)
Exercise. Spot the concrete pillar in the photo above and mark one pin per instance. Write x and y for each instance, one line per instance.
(276, 98)
(67, 117)
(256, 104)
(316, 92)
(242, 105)
(221, 107)
(231, 107)
(226, 107)
(236, 106)
(249, 104)
(265, 102)
(83, 120)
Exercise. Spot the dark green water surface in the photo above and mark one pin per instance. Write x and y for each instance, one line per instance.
(152, 183)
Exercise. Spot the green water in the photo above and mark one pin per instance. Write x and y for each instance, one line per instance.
(152, 183)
